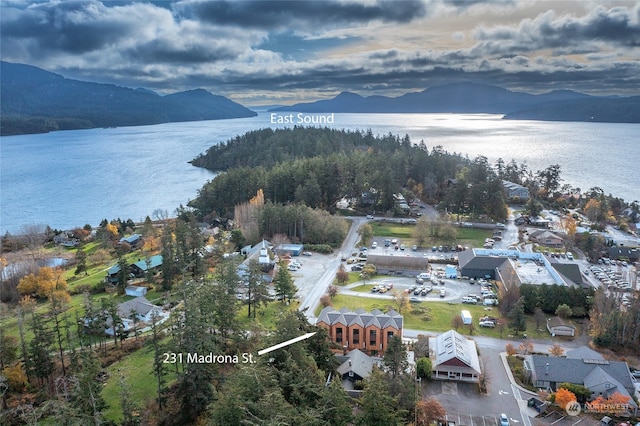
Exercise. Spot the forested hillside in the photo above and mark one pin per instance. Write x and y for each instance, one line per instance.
(37, 101)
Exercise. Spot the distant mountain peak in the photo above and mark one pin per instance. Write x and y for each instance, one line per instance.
(30, 94)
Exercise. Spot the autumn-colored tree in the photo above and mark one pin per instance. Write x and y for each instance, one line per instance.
(556, 350)
(112, 230)
(16, 377)
(456, 322)
(570, 225)
(342, 276)
(616, 398)
(151, 244)
(332, 291)
(563, 397)
(510, 349)
(401, 299)
(526, 347)
(44, 283)
(429, 411)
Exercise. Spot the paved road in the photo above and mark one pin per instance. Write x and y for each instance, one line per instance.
(312, 296)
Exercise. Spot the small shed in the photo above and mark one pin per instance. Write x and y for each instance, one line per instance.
(135, 291)
(559, 327)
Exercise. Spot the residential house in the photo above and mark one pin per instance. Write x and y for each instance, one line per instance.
(138, 269)
(601, 376)
(134, 240)
(546, 238)
(367, 331)
(559, 327)
(454, 357)
(356, 365)
(135, 310)
(514, 190)
(141, 267)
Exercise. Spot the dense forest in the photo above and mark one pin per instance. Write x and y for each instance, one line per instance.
(320, 166)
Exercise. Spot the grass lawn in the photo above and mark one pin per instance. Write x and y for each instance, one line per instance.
(267, 316)
(431, 316)
(473, 237)
(393, 230)
(141, 383)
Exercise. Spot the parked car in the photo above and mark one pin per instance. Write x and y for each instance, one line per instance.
(307, 253)
(504, 420)
(424, 275)
(374, 245)
(487, 323)
(470, 300)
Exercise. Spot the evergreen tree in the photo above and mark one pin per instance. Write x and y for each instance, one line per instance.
(377, 406)
(283, 283)
(395, 357)
(86, 396)
(40, 359)
(516, 318)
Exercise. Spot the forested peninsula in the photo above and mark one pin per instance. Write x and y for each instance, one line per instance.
(320, 166)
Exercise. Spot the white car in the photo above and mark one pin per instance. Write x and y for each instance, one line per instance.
(424, 275)
(374, 245)
(489, 324)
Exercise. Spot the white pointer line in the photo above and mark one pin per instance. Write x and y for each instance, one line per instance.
(287, 343)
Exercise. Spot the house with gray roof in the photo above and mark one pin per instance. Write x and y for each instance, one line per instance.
(515, 190)
(454, 357)
(601, 376)
(367, 331)
(138, 310)
(356, 365)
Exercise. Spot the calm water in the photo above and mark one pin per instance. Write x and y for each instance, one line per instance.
(66, 179)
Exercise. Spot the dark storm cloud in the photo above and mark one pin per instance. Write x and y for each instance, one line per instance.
(157, 51)
(618, 26)
(75, 27)
(274, 15)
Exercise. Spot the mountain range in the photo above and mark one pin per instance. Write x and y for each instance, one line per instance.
(36, 101)
(467, 97)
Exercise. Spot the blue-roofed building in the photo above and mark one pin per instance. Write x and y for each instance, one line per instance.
(132, 240)
(143, 266)
(290, 249)
(138, 269)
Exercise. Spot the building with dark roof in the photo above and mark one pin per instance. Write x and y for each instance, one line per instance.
(601, 376)
(513, 267)
(367, 331)
(406, 264)
(624, 253)
(454, 357)
(356, 365)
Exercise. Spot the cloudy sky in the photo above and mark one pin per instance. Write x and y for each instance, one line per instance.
(268, 52)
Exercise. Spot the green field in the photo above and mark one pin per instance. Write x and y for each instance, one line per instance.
(428, 316)
(472, 237)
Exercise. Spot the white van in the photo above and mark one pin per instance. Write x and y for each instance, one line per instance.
(466, 317)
